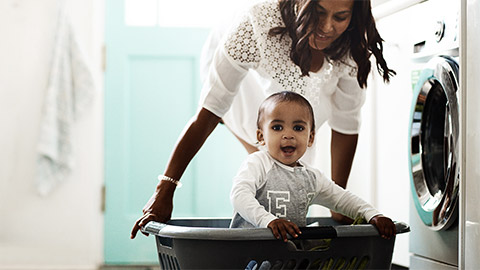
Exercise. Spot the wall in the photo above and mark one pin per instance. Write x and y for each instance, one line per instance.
(362, 179)
(64, 229)
(391, 117)
(470, 215)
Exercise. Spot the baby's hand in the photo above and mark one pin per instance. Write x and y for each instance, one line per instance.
(280, 228)
(385, 226)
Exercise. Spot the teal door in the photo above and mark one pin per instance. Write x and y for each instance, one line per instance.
(152, 87)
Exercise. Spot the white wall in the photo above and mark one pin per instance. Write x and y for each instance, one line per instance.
(470, 215)
(63, 230)
(362, 179)
(391, 117)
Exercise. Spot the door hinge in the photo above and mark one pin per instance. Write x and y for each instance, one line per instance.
(104, 57)
(103, 199)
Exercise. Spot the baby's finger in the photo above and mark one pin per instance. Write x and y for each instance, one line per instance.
(391, 231)
(283, 232)
(275, 231)
(384, 231)
(387, 232)
(297, 229)
(292, 230)
(385, 235)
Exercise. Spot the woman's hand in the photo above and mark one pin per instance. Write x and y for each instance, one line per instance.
(385, 226)
(158, 208)
(280, 228)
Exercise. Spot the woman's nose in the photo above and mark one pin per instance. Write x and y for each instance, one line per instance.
(326, 25)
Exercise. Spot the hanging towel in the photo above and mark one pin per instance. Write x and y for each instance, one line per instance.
(70, 92)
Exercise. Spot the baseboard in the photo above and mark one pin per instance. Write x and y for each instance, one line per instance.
(398, 267)
(47, 267)
(129, 267)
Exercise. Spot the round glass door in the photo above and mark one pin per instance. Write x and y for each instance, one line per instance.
(434, 144)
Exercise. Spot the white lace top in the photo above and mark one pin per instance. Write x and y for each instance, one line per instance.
(249, 65)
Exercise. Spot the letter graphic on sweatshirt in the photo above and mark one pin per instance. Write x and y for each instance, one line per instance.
(310, 197)
(276, 202)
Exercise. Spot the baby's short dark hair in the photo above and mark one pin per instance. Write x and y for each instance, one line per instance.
(285, 96)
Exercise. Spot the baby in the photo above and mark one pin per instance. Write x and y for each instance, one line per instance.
(274, 189)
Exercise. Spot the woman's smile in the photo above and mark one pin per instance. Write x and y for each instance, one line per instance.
(322, 37)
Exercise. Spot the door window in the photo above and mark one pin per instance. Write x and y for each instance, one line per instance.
(435, 143)
(435, 138)
(185, 13)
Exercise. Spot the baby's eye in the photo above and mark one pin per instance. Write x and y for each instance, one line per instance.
(277, 127)
(299, 128)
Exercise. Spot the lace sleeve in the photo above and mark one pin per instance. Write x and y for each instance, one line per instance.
(242, 44)
(237, 53)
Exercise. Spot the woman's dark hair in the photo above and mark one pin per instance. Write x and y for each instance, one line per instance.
(285, 96)
(360, 40)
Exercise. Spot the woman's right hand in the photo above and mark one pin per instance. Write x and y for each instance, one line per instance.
(158, 208)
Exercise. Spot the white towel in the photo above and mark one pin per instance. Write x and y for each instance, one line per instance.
(70, 92)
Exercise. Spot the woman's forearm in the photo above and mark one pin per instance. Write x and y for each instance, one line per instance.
(191, 140)
(159, 207)
(343, 149)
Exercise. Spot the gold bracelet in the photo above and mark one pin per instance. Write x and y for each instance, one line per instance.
(162, 177)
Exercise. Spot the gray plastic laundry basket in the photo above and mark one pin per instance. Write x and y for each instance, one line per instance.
(210, 244)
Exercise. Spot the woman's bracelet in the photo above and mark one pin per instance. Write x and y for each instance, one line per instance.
(162, 177)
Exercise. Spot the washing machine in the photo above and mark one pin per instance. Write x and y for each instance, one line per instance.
(434, 138)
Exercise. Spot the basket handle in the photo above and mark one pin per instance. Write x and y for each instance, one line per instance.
(153, 227)
(320, 232)
(367, 229)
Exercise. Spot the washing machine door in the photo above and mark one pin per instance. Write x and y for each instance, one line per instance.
(434, 144)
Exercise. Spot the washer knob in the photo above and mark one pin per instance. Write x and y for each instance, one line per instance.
(439, 30)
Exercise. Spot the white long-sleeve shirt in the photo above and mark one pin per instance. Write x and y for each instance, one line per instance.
(265, 189)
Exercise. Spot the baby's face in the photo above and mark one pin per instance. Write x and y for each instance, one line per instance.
(286, 130)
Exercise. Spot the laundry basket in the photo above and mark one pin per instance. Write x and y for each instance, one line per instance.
(210, 244)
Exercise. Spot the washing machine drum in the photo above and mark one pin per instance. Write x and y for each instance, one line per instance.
(434, 144)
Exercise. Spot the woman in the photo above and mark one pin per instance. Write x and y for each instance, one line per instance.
(320, 49)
